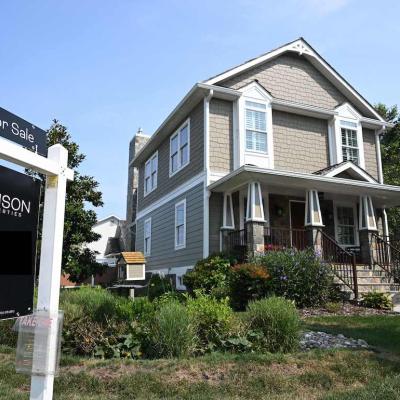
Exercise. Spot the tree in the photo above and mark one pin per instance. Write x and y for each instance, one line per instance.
(78, 260)
(390, 149)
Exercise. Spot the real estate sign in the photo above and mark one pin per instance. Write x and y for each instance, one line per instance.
(22, 132)
(19, 206)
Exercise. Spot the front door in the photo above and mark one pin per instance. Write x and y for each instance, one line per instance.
(297, 215)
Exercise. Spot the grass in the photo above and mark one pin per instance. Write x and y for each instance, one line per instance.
(382, 331)
(323, 375)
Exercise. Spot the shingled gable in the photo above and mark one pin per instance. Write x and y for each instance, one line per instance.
(301, 47)
(348, 170)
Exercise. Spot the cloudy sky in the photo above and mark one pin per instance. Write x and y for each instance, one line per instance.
(105, 68)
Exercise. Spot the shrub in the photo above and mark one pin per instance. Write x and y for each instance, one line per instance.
(248, 282)
(212, 319)
(158, 285)
(333, 307)
(381, 301)
(170, 332)
(278, 321)
(298, 275)
(210, 275)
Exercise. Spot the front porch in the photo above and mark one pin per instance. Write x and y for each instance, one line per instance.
(342, 218)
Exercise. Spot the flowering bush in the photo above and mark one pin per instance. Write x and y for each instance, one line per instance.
(298, 275)
(248, 282)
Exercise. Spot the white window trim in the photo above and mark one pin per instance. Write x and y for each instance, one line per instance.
(183, 245)
(176, 133)
(356, 233)
(145, 193)
(346, 113)
(147, 252)
(228, 203)
(256, 93)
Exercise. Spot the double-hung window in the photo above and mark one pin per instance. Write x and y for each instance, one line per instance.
(350, 149)
(147, 237)
(179, 148)
(180, 225)
(256, 126)
(150, 173)
(346, 226)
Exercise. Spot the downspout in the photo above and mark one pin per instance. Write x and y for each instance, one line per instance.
(380, 177)
(206, 213)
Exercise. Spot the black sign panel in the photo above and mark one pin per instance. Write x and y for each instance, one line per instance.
(19, 207)
(22, 132)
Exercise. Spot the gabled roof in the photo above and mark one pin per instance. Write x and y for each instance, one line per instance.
(300, 46)
(349, 167)
(133, 257)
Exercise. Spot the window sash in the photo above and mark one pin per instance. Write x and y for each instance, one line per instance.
(150, 174)
(180, 225)
(256, 126)
(147, 237)
(350, 148)
(346, 225)
(179, 149)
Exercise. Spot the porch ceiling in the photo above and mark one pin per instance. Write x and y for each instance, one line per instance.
(382, 195)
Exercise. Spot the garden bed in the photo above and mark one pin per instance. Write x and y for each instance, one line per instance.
(345, 309)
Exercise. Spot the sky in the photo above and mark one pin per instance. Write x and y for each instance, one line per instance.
(106, 68)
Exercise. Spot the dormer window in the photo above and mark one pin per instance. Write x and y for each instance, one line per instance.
(256, 126)
(349, 141)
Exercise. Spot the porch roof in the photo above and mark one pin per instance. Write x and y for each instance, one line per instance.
(382, 195)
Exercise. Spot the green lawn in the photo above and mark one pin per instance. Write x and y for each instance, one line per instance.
(382, 331)
(329, 375)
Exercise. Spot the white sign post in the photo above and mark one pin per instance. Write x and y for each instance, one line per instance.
(57, 173)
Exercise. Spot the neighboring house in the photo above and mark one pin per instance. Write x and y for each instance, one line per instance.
(279, 151)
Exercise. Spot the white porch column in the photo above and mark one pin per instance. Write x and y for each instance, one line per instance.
(367, 226)
(313, 220)
(228, 221)
(255, 218)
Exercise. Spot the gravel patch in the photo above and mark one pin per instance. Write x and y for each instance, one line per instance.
(321, 340)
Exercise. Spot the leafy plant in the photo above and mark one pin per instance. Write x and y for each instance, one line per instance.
(170, 332)
(211, 274)
(278, 321)
(158, 286)
(300, 276)
(212, 319)
(380, 301)
(333, 307)
(248, 282)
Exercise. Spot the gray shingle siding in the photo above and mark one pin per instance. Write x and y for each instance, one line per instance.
(371, 164)
(164, 183)
(300, 143)
(221, 136)
(291, 77)
(163, 253)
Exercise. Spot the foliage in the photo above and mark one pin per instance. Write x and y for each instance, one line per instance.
(298, 275)
(248, 282)
(158, 286)
(78, 260)
(210, 275)
(381, 301)
(333, 307)
(8, 337)
(390, 149)
(277, 319)
(170, 332)
(212, 319)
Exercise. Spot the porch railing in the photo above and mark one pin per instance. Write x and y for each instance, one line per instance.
(342, 262)
(281, 238)
(237, 244)
(387, 256)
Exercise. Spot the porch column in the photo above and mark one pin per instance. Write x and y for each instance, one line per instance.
(228, 221)
(313, 220)
(367, 226)
(255, 219)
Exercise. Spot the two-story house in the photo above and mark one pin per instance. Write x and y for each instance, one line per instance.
(279, 151)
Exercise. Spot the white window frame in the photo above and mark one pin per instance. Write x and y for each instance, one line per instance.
(258, 109)
(356, 233)
(177, 133)
(255, 93)
(345, 113)
(147, 251)
(179, 246)
(150, 161)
